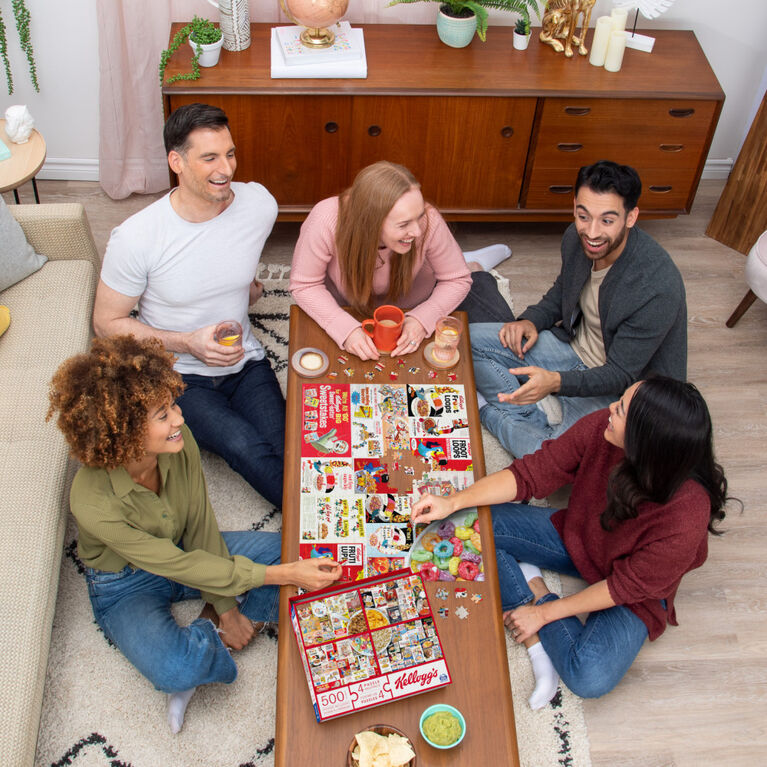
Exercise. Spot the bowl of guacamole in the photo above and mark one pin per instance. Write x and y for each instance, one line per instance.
(442, 726)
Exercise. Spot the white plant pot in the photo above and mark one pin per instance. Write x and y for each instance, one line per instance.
(521, 41)
(210, 52)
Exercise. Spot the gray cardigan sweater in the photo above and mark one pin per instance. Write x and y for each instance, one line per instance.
(642, 309)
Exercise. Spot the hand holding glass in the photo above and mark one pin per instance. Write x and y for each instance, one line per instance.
(228, 333)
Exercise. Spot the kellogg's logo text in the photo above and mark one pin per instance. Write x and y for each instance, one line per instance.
(413, 677)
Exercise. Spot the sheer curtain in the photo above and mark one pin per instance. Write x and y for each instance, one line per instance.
(132, 33)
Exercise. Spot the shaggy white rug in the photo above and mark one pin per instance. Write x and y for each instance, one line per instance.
(100, 712)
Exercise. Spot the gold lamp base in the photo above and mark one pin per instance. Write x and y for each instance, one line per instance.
(317, 37)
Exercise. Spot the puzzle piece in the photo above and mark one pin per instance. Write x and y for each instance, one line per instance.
(401, 363)
(460, 593)
(443, 612)
(432, 374)
(462, 612)
(343, 360)
(414, 370)
(394, 376)
(333, 374)
(476, 597)
(410, 471)
(349, 372)
(441, 594)
(451, 376)
(370, 375)
(379, 366)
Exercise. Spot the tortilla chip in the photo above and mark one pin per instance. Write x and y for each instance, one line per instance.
(374, 750)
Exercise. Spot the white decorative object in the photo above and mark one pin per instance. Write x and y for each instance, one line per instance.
(210, 52)
(18, 123)
(234, 23)
(615, 49)
(619, 16)
(520, 42)
(650, 9)
(602, 31)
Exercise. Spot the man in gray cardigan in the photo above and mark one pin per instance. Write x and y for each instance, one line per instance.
(615, 314)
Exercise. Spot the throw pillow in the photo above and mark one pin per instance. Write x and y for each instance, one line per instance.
(17, 259)
(5, 319)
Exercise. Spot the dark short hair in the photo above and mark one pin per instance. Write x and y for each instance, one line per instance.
(607, 176)
(188, 118)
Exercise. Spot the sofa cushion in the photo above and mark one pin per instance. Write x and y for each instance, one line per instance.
(17, 258)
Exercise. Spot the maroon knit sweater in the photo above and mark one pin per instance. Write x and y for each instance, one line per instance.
(643, 559)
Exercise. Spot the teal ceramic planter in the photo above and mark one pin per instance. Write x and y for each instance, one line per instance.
(457, 33)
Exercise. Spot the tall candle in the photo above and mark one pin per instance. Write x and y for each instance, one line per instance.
(618, 17)
(615, 49)
(601, 39)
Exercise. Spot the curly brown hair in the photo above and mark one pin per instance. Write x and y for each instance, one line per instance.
(103, 398)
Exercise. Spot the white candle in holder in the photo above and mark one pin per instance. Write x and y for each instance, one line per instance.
(618, 17)
(602, 31)
(615, 49)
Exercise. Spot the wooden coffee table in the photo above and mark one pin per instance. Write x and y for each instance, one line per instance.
(23, 164)
(475, 648)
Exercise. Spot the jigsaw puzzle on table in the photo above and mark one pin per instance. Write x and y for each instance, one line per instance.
(368, 643)
(367, 451)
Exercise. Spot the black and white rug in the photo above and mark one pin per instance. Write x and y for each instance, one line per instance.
(98, 711)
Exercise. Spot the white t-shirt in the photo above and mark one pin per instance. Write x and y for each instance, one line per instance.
(189, 275)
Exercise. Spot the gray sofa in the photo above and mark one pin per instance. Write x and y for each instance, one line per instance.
(50, 321)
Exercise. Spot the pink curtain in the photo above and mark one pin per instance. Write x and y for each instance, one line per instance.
(132, 33)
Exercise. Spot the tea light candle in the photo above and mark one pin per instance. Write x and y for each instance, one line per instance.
(618, 17)
(601, 39)
(615, 49)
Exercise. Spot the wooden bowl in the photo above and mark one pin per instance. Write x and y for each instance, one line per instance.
(381, 729)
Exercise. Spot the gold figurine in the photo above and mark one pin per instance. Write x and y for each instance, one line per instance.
(560, 18)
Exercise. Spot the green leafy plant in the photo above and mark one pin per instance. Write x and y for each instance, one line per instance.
(522, 27)
(22, 17)
(200, 31)
(464, 8)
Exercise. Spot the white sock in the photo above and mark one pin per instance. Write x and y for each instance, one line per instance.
(530, 571)
(481, 401)
(177, 703)
(488, 257)
(546, 677)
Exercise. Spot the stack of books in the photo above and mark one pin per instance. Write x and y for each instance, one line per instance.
(345, 58)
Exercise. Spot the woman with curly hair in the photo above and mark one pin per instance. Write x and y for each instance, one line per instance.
(147, 533)
(646, 491)
(380, 243)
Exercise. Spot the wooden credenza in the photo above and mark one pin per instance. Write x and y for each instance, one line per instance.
(491, 133)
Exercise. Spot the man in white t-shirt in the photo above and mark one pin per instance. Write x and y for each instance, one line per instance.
(190, 260)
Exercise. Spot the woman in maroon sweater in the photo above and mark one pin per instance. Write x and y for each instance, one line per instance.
(646, 491)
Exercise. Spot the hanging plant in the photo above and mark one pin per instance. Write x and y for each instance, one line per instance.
(22, 17)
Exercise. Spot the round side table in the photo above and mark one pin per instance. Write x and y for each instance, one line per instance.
(23, 164)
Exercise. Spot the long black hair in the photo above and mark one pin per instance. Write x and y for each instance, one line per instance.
(668, 440)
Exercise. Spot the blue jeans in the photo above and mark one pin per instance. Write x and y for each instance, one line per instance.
(592, 658)
(484, 302)
(241, 417)
(522, 428)
(132, 607)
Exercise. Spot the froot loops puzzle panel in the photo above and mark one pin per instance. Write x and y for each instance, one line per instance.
(369, 643)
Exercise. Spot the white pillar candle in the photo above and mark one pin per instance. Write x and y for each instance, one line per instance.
(615, 49)
(601, 39)
(618, 17)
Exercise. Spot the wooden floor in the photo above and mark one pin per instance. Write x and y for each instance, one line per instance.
(697, 695)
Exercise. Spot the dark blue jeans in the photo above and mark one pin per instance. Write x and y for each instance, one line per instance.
(132, 608)
(241, 417)
(592, 658)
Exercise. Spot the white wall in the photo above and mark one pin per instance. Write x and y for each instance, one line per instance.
(66, 109)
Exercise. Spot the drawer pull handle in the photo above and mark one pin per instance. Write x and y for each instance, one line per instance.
(578, 111)
(569, 147)
(374, 130)
(331, 127)
(660, 189)
(681, 112)
(507, 131)
(561, 189)
(671, 147)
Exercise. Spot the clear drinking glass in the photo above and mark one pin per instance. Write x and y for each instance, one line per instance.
(228, 333)
(446, 338)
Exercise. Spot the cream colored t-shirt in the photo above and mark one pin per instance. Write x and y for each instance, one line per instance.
(589, 344)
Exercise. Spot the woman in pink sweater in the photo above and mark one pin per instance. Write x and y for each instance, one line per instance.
(380, 243)
(646, 491)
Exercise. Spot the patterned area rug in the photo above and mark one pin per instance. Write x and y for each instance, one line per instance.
(100, 712)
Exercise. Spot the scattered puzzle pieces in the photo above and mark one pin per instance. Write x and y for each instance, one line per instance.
(370, 375)
(432, 374)
(401, 363)
(349, 372)
(451, 376)
(333, 374)
(379, 366)
(414, 370)
(443, 612)
(460, 593)
(394, 376)
(343, 360)
(462, 612)
(441, 594)
(476, 597)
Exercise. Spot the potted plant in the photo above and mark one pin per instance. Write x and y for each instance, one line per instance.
(457, 20)
(206, 40)
(521, 37)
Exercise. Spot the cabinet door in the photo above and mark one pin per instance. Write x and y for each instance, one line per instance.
(662, 139)
(296, 146)
(469, 153)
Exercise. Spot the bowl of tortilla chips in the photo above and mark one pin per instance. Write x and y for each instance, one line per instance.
(381, 745)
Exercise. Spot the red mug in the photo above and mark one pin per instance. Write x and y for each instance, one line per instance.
(386, 327)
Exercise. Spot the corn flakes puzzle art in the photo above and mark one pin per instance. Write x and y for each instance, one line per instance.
(368, 643)
(368, 451)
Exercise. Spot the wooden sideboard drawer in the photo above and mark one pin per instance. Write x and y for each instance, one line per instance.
(663, 189)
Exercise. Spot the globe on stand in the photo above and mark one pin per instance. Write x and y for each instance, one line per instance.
(316, 16)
